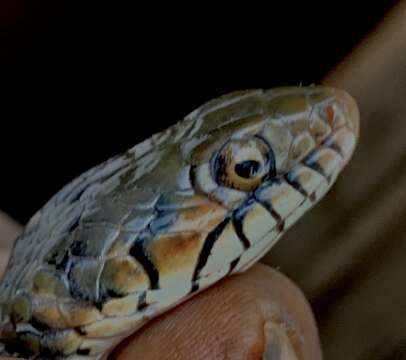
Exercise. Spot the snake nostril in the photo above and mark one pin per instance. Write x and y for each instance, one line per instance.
(351, 109)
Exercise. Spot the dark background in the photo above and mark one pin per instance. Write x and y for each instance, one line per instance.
(80, 82)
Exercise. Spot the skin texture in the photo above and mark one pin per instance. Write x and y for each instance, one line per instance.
(260, 314)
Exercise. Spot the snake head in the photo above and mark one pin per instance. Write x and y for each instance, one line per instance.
(145, 230)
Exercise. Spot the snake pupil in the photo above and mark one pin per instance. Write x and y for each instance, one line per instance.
(247, 169)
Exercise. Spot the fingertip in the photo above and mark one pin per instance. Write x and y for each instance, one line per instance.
(9, 230)
(283, 302)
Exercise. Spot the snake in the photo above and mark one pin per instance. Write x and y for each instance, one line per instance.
(152, 227)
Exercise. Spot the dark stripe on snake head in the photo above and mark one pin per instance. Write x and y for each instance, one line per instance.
(137, 251)
(208, 246)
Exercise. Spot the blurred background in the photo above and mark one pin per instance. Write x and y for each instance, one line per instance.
(80, 83)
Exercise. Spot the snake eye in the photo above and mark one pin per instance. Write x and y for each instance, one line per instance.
(242, 164)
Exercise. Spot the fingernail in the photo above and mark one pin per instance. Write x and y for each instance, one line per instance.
(277, 343)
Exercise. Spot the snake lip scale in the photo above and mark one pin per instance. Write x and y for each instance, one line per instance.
(149, 228)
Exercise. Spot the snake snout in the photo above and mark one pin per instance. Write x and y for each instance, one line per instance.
(340, 121)
(350, 108)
